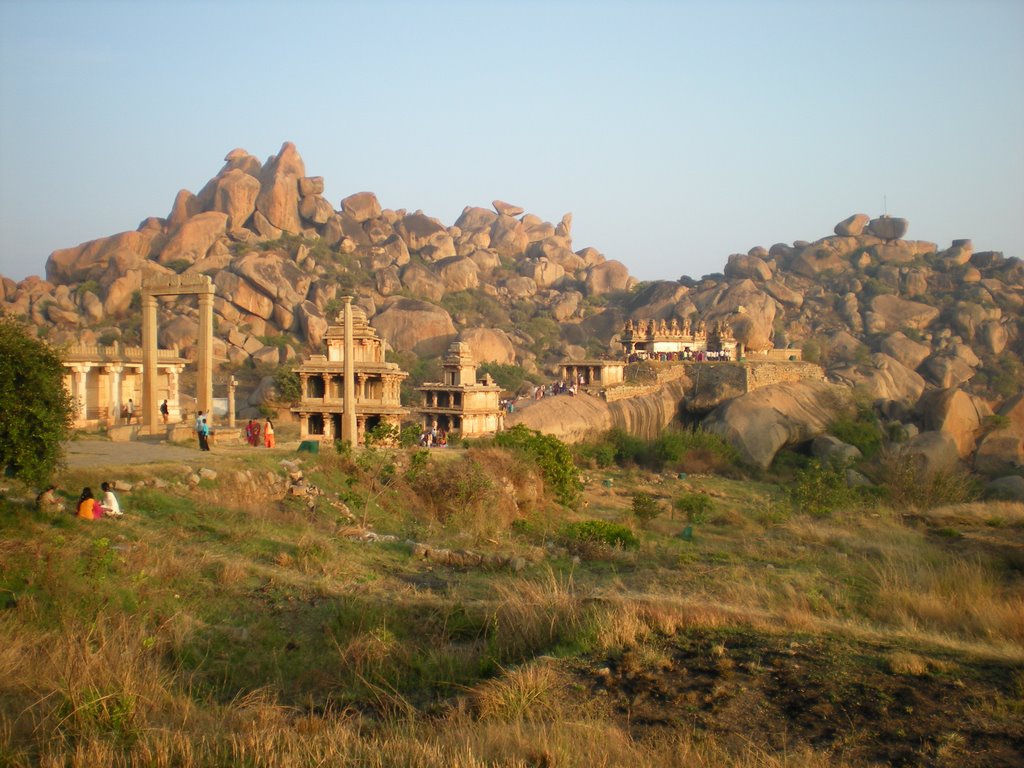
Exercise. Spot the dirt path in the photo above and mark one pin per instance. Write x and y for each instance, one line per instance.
(90, 453)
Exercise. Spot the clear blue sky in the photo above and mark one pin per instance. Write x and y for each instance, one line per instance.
(677, 133)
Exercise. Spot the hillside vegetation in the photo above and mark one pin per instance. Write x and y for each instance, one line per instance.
(414, 608)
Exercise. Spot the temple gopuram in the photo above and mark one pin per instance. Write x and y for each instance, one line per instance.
(659, 340)
(461, 402)
(376, 384)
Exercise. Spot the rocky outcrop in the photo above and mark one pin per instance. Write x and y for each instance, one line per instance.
(761, 423)
(1001, 449)
(193, 239)
(932, 452)
(574, 419)
(888, 228)
(415, 326)
(908, 352)
(852, 226)
(956, 413)
(489, 345)
(607, 277)
(278, 200)
(891, 313)
(883, 378)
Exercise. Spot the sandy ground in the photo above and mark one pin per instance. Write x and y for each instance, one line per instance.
(88, 453)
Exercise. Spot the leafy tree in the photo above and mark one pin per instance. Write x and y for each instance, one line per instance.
(645, 508)
(288, 384)
(37, 409)
(509, 377)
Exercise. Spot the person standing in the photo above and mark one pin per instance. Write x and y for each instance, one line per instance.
(165, 412)
(268, 433)
(203, 433)
(131, 409)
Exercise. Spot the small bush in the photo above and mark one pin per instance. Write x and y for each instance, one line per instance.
(645, 508)
(907, 485)
(862, 432)
(695, 507)
(600, 533)
(819, 489)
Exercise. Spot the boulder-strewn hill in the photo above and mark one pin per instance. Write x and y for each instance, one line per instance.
(893, 316)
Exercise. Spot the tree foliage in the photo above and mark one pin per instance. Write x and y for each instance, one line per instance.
(288, 384)
(552, 457)
(37, 409)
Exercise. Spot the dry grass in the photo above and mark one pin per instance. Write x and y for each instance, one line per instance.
(534, 691)
(961, 597)
(535, 614)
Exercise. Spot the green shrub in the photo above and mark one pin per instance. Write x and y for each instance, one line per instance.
(552, 457)
(179, 265)
(677, 447)
(33, 427)
(863, 432)
(288, 384)
(509, 377)
(694, 506)
(908, 485)
(601, 453)
(819, 489)
(599, 532)
(645, 508)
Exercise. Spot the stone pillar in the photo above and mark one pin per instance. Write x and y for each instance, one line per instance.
(174, 393)
(232, 383)
(349, 432)
(114, 397)
(149, 405)
(328, 427)
(81, 391)
(204, 380)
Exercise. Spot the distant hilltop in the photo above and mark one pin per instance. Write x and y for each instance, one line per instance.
(886, 314)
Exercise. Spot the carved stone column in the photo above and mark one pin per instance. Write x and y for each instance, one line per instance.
(114, 396)
(81, 391)
(349, 431)
(232, 383)
(174, 393)
(149, 405)
(204, 381)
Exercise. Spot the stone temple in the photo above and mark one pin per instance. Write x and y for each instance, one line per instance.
(324, 412)
(461, 403)
(654, 340)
